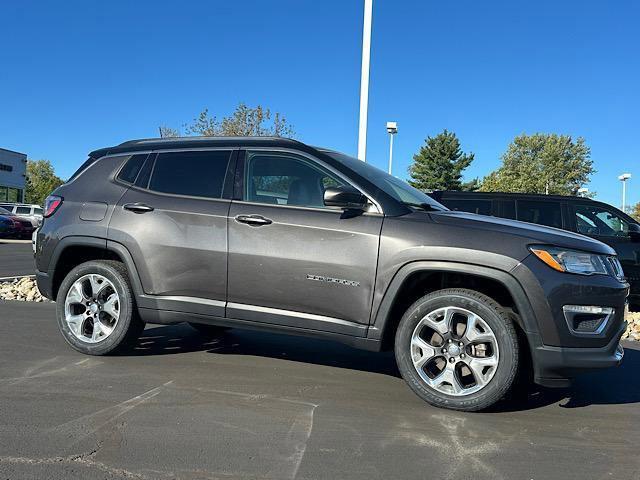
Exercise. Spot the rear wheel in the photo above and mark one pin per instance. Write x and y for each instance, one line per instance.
(457, 349)
(96, 309)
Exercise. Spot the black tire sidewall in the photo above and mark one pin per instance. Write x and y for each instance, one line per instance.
(502, 328)
(121, 285)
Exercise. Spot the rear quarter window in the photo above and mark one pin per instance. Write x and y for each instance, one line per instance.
(131, 168)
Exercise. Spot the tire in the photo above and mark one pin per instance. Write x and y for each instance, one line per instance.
(208, 330)
(114, 295)
(491, 346)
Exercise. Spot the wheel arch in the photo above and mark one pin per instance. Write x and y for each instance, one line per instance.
(416, 279)
(74, 250)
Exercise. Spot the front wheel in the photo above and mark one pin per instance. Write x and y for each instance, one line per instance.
(96, 310)
(457, 349)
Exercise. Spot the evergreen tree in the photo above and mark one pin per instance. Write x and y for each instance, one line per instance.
(439, 164)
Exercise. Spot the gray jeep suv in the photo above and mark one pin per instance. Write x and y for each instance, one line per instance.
(274, 234)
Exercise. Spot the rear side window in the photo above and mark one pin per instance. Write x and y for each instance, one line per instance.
(482, 207)
(543, 213)
(131, 169)
(196, 174)
(23, 210)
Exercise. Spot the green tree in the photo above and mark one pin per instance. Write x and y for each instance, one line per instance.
(41, 181)
(635, 211)
(542, 163)
(244, 121)
(439, 164)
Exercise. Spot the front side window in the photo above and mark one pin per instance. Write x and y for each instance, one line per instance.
(595, 220)
(285, 179)
(542, 213)
(195, 174)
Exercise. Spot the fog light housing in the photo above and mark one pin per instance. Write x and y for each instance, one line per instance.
(587, 319)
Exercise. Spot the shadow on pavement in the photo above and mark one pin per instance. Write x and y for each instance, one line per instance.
(604, 387)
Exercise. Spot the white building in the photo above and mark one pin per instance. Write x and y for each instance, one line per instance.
(13, 174)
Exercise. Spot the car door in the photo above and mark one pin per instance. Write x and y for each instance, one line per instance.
(606, 225)
(292, 260)
(173, 220)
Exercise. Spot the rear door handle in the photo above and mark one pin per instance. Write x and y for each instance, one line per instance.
(137, 207)
(253, 220)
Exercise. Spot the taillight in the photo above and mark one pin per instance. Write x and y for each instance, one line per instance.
(51, 205)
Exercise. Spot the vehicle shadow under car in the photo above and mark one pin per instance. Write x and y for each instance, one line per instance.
(612, 386)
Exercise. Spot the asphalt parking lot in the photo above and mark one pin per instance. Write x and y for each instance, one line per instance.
(16, 258)
(251, 405)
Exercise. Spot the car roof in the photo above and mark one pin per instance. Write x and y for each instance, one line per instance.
(194, 142)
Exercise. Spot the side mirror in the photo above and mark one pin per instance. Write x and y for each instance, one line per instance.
(634, 232)
(345, 197)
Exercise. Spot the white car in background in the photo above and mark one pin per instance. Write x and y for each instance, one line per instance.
(33, 213)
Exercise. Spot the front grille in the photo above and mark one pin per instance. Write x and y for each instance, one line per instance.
(615, 267)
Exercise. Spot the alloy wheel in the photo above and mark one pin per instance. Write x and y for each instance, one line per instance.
(92, 308)
(454, 351)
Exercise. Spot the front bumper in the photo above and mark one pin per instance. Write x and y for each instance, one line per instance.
(557, 352)
(555, 366)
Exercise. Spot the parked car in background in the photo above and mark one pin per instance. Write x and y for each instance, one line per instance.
(6, 227)
(29, 211)
(577, 214)
(22, 227)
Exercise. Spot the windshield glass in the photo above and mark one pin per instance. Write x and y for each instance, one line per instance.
(396, 188)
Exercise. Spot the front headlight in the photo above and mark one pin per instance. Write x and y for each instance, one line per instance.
(572, 261)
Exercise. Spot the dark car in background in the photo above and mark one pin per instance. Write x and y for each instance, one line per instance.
(14, 226)
(577, 214)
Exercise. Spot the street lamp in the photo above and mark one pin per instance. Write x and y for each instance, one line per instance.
(364, 80)
(392, 128)
(623, 178)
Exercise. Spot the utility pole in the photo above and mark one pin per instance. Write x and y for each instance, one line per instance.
(364, 80)
(392, 128)
(623, 178)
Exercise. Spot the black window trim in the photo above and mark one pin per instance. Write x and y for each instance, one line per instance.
(238, 193)
(228, 176)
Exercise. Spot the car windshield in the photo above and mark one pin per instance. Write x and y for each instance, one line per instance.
(392, 186)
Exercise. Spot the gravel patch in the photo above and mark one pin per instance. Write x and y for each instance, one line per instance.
(21, 289)
(633, 329)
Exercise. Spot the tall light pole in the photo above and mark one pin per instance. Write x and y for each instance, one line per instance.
(364, 80)
(623, 178)
(392, 128)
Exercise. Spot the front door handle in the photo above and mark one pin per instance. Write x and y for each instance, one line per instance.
(137, 207)
(253, 220)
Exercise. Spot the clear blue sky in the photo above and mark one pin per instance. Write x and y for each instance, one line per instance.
(78, 75)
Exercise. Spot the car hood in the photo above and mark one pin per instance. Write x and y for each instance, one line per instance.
(533, 232)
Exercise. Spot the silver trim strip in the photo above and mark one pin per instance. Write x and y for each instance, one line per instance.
(289, 313)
